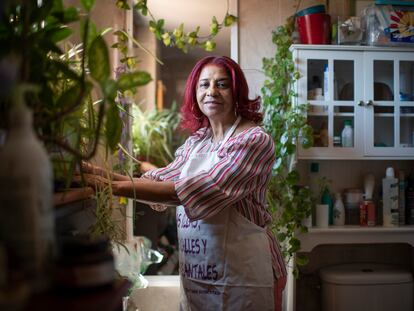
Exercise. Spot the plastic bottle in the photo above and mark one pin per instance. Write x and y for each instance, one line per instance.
(313, 185)
(327, 199)
(409, 199)
(347, 134)
(401, 198)
(390, 199)
(338, 211)
(26, 212)
(326, 82)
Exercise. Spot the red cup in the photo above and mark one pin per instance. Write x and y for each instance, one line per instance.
(314, 28)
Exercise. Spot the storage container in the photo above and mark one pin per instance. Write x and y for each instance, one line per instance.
(389, 25)
(366, 287)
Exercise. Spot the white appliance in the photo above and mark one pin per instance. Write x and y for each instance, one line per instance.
(366, 287)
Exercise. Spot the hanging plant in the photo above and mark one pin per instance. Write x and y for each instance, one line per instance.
(286, 123)
(179, 38)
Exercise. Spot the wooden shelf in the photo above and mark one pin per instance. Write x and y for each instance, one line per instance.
(74, 210)
(108, 298)
(72, 195)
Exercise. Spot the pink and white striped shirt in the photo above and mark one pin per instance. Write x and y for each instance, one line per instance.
(239, 180)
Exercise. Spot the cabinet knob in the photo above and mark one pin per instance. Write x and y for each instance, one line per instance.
(361, 103)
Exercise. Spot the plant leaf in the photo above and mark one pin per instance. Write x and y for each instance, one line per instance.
(58, 34)
(68, 97)
(98, 60)
(302, 260)
(229, 20)
(88, 4)
(113, 127)
(110, 89)
(130, 80)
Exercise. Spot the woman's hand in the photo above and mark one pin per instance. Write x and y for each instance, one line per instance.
(95, 181)
(90, 168)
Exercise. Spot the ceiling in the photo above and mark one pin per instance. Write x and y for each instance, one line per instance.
(192, 13)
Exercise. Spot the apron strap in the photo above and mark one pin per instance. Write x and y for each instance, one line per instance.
(231, 130)
(226, 137)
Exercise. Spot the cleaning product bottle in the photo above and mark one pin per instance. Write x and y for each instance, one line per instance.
(26, 211)
(390, 199)
(338, 211)
(347, 134)
(368, 209)
(313, 185)
(401, 198)
(326, 82)
(327, 199)
(409, 199)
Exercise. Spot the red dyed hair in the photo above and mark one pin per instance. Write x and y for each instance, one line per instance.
(192, 117)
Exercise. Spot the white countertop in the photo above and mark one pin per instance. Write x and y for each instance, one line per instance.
(355, 235)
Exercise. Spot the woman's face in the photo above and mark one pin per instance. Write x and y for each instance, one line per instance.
(214, 94)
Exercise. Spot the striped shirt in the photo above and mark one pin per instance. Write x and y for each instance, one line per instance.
(239, 180)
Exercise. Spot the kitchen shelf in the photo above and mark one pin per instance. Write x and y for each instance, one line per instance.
(344, 114)
(355, 235)
(107, 298)
(72, 195)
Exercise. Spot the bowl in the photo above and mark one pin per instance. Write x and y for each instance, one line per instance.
(312, 9)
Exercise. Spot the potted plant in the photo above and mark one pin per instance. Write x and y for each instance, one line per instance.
(155, 135)
(289, 202)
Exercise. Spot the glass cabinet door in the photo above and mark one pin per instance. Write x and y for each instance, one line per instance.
(388, 104)
(331, 85)
(406, 98)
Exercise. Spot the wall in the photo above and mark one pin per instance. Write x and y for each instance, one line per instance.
(146, 96)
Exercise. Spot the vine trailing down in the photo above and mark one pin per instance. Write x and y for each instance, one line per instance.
(286, 122)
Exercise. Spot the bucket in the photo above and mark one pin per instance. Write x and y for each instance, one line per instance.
(311, 10)
(314, 28)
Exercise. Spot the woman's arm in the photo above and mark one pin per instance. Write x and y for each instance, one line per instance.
(141, 189)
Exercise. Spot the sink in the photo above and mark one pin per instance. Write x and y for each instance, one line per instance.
(161, 294)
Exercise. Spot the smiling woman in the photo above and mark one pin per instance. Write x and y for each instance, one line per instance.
(228, 257)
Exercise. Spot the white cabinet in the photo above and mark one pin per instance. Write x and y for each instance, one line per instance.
(372, 88)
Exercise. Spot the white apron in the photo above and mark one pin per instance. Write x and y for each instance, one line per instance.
(225, 260)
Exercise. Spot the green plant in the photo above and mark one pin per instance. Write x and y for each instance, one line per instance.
(154, 134)
(286, 123)
(32, 34)
(323, 184)
(179, 38)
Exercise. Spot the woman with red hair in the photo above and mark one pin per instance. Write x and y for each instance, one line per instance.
(229, 259)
